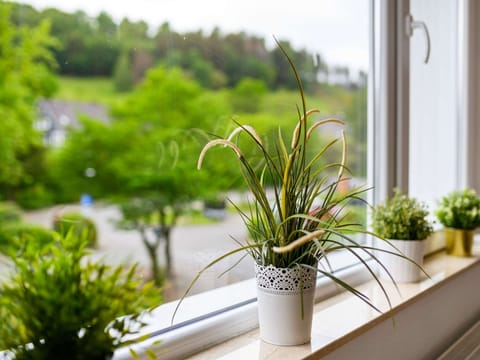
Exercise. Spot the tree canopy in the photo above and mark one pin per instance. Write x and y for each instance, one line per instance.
(93, 46)
(26, 64)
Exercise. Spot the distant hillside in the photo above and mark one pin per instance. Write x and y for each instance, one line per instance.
(99, 46)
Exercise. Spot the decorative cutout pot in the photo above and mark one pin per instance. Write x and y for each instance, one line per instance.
(458, 242)
(401, 269)
(285, 304)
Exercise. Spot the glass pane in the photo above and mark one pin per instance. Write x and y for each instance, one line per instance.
(434, 125)
(134, 91)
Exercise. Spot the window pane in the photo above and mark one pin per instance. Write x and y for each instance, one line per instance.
(141, 85)
(435, 142)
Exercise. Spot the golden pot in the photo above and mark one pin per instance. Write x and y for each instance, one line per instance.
(459, 242)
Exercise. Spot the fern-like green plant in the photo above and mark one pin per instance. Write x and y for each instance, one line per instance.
(59, 304)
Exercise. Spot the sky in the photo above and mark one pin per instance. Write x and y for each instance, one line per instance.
(336, 29)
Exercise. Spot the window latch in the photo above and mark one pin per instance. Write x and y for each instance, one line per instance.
(411, 25)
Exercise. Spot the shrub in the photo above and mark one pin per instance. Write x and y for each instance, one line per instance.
(77, 223)
(64, 306)
(459, 210)
(401, 218)
(247, 95)
(9, 213)
(34, 197)
(16, 236)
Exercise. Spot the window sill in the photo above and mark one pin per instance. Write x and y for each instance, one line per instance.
(339, 319)
(342, 320)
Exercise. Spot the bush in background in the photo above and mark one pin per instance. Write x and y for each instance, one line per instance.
(16, 236)
(35, 197)
(78, 224)
(9, 213)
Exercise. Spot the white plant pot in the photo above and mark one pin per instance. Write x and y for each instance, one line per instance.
(285, 310)
(402, 270)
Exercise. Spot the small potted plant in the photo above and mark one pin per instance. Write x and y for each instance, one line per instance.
(296, 227)
(402, 222)
(459, 213)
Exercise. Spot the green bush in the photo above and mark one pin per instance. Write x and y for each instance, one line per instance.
(65, 306)
(401, 218)
(248, 94)
(122, 74)
(35, 197)
(9, 213)
(77, 223)
(17, 235)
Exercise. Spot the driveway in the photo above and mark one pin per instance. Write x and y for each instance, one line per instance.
(193, 246)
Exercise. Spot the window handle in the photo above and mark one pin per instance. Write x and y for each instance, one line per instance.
(411, 25)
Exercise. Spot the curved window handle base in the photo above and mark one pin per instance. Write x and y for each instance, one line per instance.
(411, 25)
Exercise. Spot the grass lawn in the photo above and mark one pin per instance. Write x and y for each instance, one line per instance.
(88, 89)
(330, 100)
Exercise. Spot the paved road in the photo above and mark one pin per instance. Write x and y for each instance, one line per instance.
(193, 247)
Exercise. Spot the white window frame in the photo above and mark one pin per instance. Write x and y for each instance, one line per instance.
(203, 331)
(388, 167)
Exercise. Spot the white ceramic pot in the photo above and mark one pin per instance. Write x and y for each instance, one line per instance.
(402, 270)
(285, 309)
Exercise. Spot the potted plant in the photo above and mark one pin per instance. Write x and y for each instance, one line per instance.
(459, 213)
(401, 223)
(299, 225)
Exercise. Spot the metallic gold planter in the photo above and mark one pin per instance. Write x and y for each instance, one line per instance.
(459, 242)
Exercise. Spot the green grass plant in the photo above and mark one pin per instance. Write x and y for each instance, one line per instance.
(306, 219)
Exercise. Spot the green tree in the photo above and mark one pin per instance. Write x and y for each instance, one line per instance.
(159, 167)
(152, 213)
(356, 117)
(149, 151)
(85, 164)
(247, 95)
(25, 74)
(122, 74)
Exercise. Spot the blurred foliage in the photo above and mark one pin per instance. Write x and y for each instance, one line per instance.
(66, 306)
(25, 74)
(80, 89)
(79, 225)
(153, 217)
(150, 146)
(35, 196)
(94, 46)
(356, 115)
(9, 213)
(247, 95)
(153, 140)
(16, 236)
(122, 75)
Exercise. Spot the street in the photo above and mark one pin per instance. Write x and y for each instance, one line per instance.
(193, 247)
